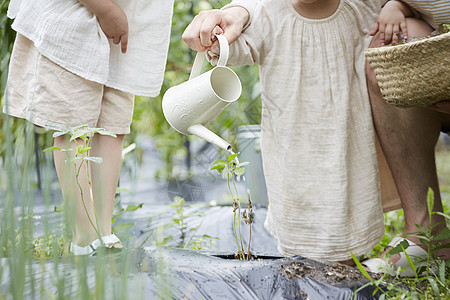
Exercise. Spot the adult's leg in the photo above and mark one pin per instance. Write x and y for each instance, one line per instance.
(104, 178)
(408, 137)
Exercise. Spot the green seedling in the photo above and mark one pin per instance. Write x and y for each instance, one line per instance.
(231, 169)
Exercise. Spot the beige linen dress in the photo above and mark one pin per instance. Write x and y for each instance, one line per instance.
(318, 141)
(68, 34)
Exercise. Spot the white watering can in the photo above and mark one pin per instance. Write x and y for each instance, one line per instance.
(191, 105)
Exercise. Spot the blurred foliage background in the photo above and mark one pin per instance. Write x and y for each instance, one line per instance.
(148, 118)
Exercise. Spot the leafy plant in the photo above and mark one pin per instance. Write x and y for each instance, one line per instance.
(187, 237)
(122, 211)
(230, 169)
(50, 245)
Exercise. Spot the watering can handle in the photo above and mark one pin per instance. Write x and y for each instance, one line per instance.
(200, 57)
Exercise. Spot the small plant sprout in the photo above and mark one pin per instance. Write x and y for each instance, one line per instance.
(188, 236)
(230, 169)
(82, 137)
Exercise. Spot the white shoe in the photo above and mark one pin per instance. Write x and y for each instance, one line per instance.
(109, 241)
(378, 265)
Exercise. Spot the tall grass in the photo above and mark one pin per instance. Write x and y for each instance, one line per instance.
(34, 259)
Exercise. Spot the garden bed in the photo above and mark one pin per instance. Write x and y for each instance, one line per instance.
(171, 273)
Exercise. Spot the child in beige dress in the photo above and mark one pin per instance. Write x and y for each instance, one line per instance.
(318, 141)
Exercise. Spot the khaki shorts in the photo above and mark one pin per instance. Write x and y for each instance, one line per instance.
(47, 94)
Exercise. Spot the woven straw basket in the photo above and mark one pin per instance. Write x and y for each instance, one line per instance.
(413, 74)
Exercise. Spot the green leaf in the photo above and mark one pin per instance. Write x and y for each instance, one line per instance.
(119, 212)
(54, 148)
(123, 226)
(430, 201)
(105, 132)
(218, 165)
(239, 171)
(442, 271)
(361, 267)
(411, 264)
(210, 237)
(82, 133)
(122, 190)
(58, 127)
(443, 235)
(177, 202)
(440, 246)
(71, 159)
(435, 287)
(231, 157)
(86, 149)
(59, 208)
(78, 127)
(227, 171)
(79, 148)
(424, 238)
(241, 164)
(218, 168)
(94, 159)
(134, 207)
(60, 133)
(444, 215)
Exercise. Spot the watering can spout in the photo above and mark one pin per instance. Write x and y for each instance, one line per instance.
(206, 134)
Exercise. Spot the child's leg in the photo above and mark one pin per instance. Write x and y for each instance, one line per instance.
(105, 177)
(115, 116)
(75, 211)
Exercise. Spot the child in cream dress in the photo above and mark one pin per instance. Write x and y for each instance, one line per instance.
(318, 140)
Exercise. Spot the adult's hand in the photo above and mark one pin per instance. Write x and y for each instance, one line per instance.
(199, 35)
(441, 106)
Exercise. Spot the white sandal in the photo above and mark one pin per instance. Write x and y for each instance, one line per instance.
(109, 241)
(378, 265)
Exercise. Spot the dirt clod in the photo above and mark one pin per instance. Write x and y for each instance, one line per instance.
(334, 273)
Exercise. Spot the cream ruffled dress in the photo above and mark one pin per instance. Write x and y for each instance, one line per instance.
(318, 141)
